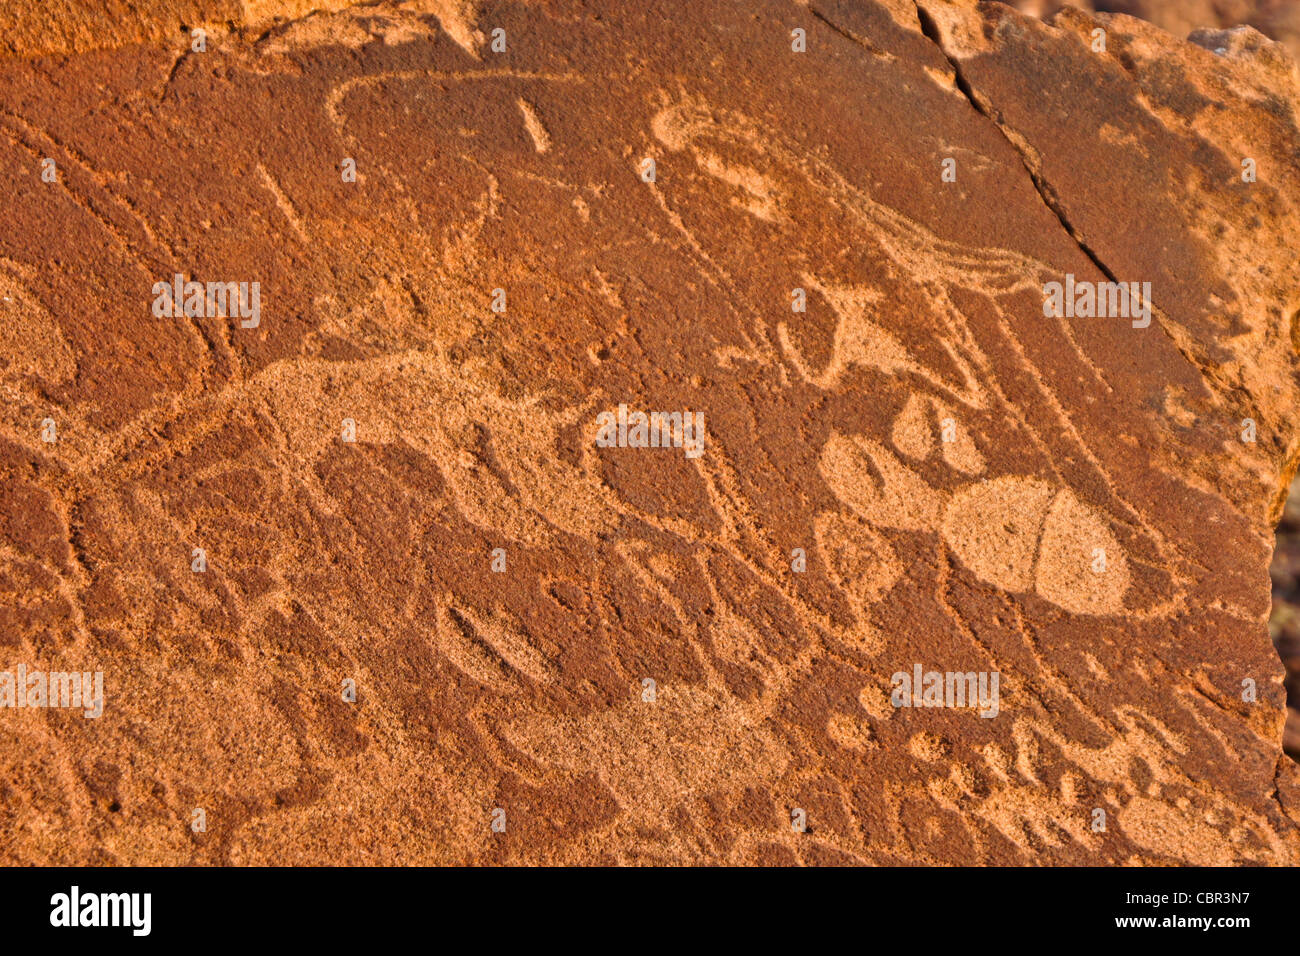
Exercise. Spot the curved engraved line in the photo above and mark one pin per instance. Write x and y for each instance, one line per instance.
(335, 96)
(922, 254)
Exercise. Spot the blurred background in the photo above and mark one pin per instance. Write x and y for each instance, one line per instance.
(1278, 19)
(1284, 624)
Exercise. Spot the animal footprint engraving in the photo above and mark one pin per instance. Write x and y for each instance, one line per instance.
(913, 435)
(1024, 534)
(1018, 533)
(1060, 548)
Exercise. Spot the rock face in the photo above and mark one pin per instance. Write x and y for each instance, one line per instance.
(378, 569)
(70, 26)
(1280, 21)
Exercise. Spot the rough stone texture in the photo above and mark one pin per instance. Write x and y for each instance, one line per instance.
(826, 431)
(70, 26)
(1279, 21)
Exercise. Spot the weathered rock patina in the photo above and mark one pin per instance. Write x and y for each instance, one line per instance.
(921, 469)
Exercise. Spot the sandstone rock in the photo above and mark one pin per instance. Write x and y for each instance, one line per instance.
(630, 654)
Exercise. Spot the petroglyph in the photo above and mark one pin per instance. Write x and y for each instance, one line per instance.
(700, 745)
(536, 130)
(638, 654)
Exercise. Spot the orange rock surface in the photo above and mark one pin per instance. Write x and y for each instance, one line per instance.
(366, 582)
